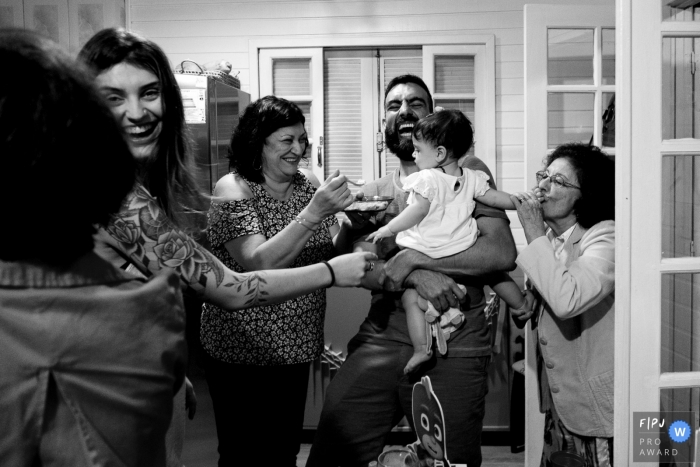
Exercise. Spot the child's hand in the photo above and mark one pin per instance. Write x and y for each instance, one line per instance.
(522, 195)
(526, 310)
(537, 191)
(383, 232)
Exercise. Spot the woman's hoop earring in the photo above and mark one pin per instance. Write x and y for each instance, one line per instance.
(259, 167)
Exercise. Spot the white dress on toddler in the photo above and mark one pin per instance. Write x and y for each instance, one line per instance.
(449, 227)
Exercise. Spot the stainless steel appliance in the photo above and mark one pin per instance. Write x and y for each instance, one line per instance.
(212, 110)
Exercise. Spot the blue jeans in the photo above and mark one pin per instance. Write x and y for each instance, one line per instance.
(370, 394)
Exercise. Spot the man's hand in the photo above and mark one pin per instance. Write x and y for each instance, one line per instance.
(525, 312)
(399, 267)
(437, 288)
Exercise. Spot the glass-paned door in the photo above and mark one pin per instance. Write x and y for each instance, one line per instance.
(569, 86)
(658, 168)
(460, 79)
(348, 135)
(580, 84)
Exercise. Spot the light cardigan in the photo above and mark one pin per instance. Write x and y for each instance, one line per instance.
(576, 324)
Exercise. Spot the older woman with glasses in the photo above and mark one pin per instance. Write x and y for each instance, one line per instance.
(570, 264)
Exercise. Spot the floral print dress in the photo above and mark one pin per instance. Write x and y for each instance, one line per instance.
(289, 332)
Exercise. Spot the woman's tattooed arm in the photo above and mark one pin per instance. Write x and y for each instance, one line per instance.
(143, 233)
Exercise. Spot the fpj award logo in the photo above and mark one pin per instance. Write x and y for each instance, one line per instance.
(664, 437)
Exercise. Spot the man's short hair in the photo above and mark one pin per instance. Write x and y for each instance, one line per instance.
(406, 79)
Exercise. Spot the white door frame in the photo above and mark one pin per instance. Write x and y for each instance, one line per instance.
(639, 217)
(537, 19)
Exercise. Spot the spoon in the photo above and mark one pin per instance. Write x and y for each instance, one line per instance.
(357, 183)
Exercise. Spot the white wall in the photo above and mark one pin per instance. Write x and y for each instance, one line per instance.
(220, 30)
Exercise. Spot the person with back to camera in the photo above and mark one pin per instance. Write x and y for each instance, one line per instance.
(268, 213)
(91, 356)
(152, 229)
(438, 220)
(569, 225)
(370, 392)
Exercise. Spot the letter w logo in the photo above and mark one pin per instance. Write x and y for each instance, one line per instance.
(680, 432)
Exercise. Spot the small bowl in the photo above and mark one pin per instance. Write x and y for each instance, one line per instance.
(370, 204)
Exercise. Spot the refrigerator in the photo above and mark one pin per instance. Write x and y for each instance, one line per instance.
(212, 110)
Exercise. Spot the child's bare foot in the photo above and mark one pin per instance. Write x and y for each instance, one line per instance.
(419, 356)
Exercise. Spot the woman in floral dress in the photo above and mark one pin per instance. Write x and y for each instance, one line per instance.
(268, 213)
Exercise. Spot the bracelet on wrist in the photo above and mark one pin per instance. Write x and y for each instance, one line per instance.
(312, 226)
(330, 269)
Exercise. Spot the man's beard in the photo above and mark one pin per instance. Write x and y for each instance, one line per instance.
(401, 147)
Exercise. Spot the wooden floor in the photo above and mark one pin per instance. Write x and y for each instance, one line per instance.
(201, 443)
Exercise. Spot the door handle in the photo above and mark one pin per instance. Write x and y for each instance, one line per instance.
(319, 152)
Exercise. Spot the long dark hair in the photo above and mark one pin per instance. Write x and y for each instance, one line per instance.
(61, 152)
(169, 175)
(595, 172)
(259, 120)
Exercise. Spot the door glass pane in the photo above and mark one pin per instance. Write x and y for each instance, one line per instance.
(679, 83)
(673, 402)
(396, 66)
(291, 76)
(680, 207)
(608, 113)
(608, 57)
(680, 322)
(454, 74)
(570, 56)
(569, 117)
(680, 10)
(467, 108)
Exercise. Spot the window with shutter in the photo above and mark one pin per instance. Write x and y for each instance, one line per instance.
(462, 77)
(297, 75)
(350, 91)
(391, 67)
(455, 86)
(350, 116)
(291, 77)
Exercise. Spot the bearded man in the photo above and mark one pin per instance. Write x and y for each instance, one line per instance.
(370, 394)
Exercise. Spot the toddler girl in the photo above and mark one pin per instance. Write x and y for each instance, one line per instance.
(438, 219)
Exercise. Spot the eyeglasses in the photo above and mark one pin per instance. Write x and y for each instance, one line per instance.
(556, 179)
